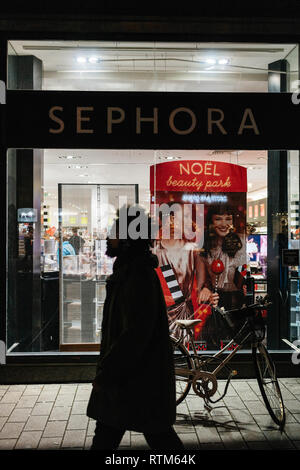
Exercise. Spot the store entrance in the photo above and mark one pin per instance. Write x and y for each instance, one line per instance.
(86, 213)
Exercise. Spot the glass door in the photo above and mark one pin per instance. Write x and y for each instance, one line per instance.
(86, 213)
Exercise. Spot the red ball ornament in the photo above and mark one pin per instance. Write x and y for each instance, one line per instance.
(217, 266)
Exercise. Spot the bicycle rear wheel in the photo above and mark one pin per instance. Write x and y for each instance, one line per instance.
(268, 383)
(182, 363)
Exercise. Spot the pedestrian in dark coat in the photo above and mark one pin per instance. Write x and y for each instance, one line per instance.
(134, 387)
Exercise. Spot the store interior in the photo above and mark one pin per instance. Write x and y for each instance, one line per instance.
(81, 188)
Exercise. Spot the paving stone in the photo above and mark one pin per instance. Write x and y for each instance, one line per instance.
(207, 434)
(11, 430)
(265, 422)
(278, 440)
(190, 441)
(65, 394)
(286, 394)
(11, 397)
(224, 423)
(47, 396)
(234, 403)
(78, 422)
(297, 444)
(82, 395)
(220, 411)
(91, 427)
(27, 401)
(17, 388)
(60, 413)
(297, 417)
(36, 423)
(70, 390)
(7, 444)
(42, 409)
(248, 395)
(33, 390)
(65, 400)
(85, 386)
(255, 387)
(233, 440)
(231, 392)
(79, 407)
(240, 384)
(88, 443)
(138, 442)
(183, 429)
(252, 433)
(242, 418)
(74, 439)
(6, 409)
(259, 445)
(126, 440)
(50, 443)
(212, 446)
(29, 440)
(256, 407)
(52, 387)
(293, 431)
(55, 429)
(292, 405)
(3, 420)
(19, 415)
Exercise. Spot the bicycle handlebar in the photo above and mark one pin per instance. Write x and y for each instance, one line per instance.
(261, 306)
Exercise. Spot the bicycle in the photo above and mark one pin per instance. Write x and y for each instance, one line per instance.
(201, 372)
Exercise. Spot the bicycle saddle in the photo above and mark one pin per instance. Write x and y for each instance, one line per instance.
(187, 323)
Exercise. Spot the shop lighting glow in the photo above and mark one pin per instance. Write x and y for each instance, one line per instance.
(77, 167)
(93, 60)
(210, 61)
(69, 157)
(223, 61)
(169, 157)
(81, 60)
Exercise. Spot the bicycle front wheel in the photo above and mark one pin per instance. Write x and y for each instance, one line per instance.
(268, 383)
(182, 363)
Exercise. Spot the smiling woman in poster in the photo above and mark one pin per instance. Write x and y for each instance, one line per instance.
(222, 242)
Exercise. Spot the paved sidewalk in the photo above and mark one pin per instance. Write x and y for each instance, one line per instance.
(53, 416)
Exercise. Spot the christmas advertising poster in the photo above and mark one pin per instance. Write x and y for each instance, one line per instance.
(200, 210)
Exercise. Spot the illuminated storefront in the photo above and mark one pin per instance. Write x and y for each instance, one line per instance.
(91, 124)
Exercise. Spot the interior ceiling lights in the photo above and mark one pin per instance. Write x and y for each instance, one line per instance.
(91, 60)
(69, 157)
(169, 157)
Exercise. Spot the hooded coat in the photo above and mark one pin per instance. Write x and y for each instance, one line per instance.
(135, 372)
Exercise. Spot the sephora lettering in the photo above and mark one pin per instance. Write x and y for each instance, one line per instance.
(181, 121)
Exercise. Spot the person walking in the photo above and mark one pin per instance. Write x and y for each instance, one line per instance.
(76, 241)
(134, 387)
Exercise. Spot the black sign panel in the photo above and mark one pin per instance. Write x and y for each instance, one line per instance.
(50, 119)
(290, 257)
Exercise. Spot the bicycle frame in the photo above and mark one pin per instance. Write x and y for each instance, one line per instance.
(197, 364)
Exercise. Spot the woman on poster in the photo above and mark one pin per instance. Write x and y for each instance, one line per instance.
(181, 257)
(222, 242)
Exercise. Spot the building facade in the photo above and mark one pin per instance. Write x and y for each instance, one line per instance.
(109, 108)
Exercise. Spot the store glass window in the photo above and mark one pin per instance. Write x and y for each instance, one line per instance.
(62, 202)
(150, 66)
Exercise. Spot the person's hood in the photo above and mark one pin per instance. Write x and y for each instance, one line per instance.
(130, 257)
